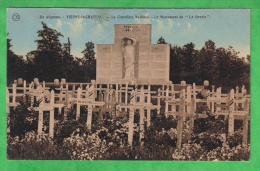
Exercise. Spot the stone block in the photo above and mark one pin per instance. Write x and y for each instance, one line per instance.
(115, 72)
(132, 29)
(117, 40)
(159, 48)
(144, 65)
(102, 72)
(161, 73)
(103, 80)
(146, 57)
(101, 56)
(103, 65)
(144, 48)
(159, 57)
(144, 40)
(116, 64)
(143, 81)
(159, 65)
(117, 48)
(115, 79)
(104, 48)
(144, 73)
(157, 81)
(115, 56)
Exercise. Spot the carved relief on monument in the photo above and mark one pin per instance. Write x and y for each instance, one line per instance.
(130, 54)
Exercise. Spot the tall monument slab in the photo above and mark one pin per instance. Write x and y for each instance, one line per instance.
(132, 58)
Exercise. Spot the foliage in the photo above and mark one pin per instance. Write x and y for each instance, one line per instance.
(213, 146)
(220, 66)
(189, 152)
(85, 147)
(89, 61)
(22, 118)
(33, 146)
(207, 140)
(161, 41)
(224, 153)
(15, 64)
(64, 128)
(51, 60)
(237, 153)
(236, 139)
(108, 141)
(46, 59)
(100, 144)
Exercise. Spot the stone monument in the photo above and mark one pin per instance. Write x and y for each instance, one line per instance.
(132, 58)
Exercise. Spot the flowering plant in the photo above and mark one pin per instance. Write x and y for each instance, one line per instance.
(33, 146)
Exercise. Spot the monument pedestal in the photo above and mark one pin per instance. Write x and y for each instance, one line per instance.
(152, 62)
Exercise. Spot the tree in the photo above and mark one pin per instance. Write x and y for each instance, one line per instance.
(183, 62)
(15, 64)
(69, 66)
(207, 62)
(161, 41)
(49, 41)
(174, 64)
(248, 58)
(48, 56)
(89, 62)
(9, 45)
(188, 62)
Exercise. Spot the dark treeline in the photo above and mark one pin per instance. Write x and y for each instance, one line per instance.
(221, 67)
(51, 60)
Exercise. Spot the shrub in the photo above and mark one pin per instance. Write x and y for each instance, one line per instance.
(237, 153)
(191, 151)
(207, 140)
(85, 147)
(33, 146)
(23, 118)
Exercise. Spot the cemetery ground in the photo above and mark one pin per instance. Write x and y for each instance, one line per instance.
(108, 137)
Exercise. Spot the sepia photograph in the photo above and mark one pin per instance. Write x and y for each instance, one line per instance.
(128, 84)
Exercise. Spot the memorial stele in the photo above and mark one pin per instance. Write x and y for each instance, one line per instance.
(132, 58)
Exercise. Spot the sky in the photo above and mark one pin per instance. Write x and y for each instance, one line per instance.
(225, 27)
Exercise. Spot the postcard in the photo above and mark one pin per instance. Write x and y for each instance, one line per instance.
(128, 84)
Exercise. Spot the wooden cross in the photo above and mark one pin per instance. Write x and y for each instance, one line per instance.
(46, 107)
(90, 102)
(131, 119)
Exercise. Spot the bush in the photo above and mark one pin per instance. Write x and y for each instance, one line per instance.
(108, 140)
(85, 147)
(104, 143)
(236, 139)
(22, 118)
(191, 151)
(207, 141)
(33, 146)
(237, 153)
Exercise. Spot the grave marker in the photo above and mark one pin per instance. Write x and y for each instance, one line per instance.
(51, 123)
(245, 123)
(180, 118)
(231, 114)
(40, 117)
(141, 112)
(131, 119)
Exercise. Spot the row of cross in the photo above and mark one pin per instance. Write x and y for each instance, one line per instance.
(123, 98)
